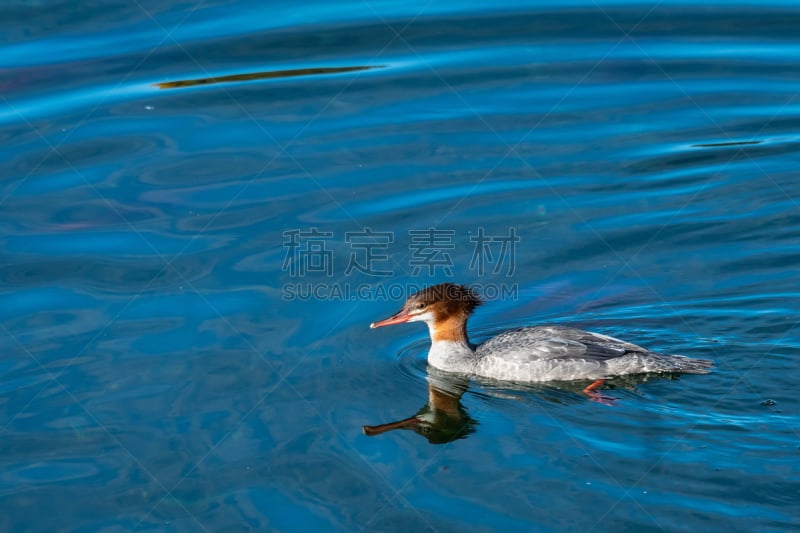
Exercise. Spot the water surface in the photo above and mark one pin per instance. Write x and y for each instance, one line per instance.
(158, 158)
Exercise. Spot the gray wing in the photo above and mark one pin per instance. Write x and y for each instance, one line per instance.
(555, 342)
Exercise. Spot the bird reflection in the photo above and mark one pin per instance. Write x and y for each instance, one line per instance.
(443, 419)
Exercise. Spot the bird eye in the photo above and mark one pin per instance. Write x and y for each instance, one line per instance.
(420, 305)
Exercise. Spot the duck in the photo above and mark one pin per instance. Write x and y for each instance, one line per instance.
(527, 354)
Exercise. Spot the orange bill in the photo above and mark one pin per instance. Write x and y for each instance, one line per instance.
(398, 318)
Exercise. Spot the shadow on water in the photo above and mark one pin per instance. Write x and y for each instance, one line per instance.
(444, 418)
(268, 75)
(720, 145)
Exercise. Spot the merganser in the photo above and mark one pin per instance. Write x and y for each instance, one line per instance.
(527, 354)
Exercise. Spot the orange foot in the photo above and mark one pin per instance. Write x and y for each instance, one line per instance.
(597, 396)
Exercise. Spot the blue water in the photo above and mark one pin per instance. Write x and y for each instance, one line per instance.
(165, 367)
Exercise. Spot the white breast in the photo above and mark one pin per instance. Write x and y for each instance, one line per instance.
(452, 357)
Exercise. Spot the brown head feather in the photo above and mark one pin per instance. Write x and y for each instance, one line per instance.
(451, 298)
(451, 305)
